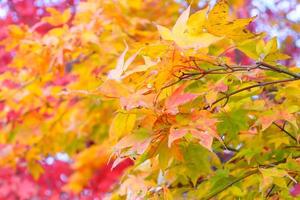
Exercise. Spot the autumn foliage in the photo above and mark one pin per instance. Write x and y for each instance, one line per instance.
(153, 99)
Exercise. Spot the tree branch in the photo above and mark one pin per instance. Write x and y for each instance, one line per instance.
(270, 191)
(230, 69)
(279, 70)
(286, 132)
(231, 184)
(246, 176)
(248, 88)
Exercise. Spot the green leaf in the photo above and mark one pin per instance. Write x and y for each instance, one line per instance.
(163, 155)
(273, 172)
(271, 46)
(274, 57)
(232, 122)
(196, 160)
(249, 48)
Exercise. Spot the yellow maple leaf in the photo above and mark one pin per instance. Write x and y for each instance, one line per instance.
(196, 22)
(122, 65)
(270, 52)
(258, 49)
(16, 35)
(219, 24)
(184, 33)
(122, 124)
(57, 18)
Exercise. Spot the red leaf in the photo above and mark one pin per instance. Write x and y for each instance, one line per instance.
(178, 98)
(176, 134)
(13, 115)
(63, 80)
(10, 84)
(206, 139)
(26, 189)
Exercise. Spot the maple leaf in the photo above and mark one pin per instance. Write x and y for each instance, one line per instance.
(269, 52)
(272, 116)
(215, 89)
(138, 141)
(178, 98)
(10, 84)
(140, 68)
(183, 37)
(138, 99)
(204, 121)
(113, 89)
(122, 65)
(176, 134)
(218, 23)
(205, 139)
(56, 18)
(123, 123)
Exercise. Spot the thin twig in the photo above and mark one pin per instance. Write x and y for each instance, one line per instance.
(286, 132)
(226, 147)
(231, 184)
(273, 186)
(279, 69)
(270, 191)
(248, 88)
(246, 176)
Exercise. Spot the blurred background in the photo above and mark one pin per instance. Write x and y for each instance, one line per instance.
(279, 18)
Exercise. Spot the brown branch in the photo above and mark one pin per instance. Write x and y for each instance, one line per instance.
(273, 186)
(210, 196)
(277, 162)
(292, 147)
(248, 88)
(226, 69)
(226, 147)
(270, 191)
(286, 132)
(260, 65)
(278, 69)
(231, 184)
(220, 70)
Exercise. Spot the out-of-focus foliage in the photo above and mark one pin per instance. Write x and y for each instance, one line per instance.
(279, 18)
(201, 103)
(18, 183)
